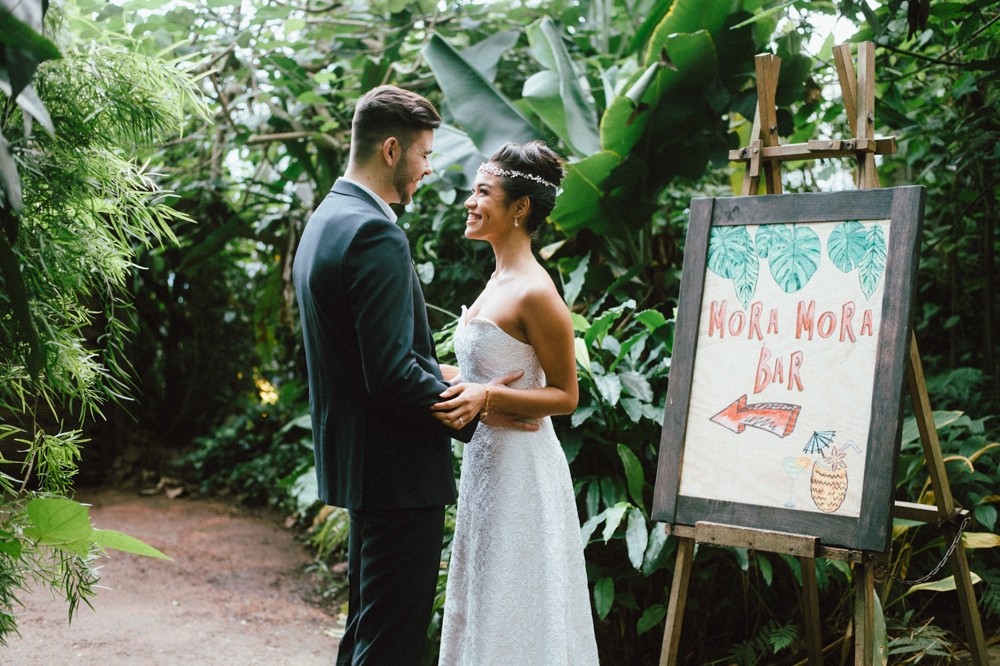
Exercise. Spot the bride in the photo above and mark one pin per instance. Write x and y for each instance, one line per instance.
(517, 587)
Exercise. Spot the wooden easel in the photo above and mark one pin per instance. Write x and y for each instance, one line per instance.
(764, 154)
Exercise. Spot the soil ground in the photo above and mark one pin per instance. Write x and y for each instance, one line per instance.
(236, 593)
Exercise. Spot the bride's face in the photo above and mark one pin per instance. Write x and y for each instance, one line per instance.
(490, 214)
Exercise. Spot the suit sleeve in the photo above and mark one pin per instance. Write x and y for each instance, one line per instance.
(381, 292)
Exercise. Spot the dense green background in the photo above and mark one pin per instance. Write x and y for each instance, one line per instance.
(152, 204)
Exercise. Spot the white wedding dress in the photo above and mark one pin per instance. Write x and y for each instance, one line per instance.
(517, 587)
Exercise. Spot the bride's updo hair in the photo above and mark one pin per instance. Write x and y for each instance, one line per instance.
(533, 170)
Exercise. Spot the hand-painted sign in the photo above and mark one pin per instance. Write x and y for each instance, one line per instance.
(783, 405)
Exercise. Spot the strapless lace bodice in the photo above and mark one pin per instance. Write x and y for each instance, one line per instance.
(517, 586)
(485, 351)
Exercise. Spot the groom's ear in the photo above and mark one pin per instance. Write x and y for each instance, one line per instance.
(392, 151)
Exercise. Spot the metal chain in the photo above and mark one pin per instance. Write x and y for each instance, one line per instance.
(951, 549)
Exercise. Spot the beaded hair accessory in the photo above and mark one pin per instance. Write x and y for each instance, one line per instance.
(486, 167)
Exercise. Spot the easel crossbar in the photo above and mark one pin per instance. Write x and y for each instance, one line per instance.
(815, 149)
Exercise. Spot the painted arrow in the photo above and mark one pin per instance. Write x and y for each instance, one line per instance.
(777, 418)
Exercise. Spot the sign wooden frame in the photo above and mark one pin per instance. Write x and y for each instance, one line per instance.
(870, 530)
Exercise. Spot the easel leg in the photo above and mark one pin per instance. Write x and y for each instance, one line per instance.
(864, 614)
(810, 609)
(678, 597)
(946, 505)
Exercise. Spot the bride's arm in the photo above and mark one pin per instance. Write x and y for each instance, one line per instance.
(449, 372)
(546, 322)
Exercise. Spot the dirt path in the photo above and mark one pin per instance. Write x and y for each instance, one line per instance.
(235, 594)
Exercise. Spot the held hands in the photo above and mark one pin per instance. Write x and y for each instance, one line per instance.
(463, 401)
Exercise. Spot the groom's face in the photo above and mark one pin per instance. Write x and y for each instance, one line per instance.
(414, 165)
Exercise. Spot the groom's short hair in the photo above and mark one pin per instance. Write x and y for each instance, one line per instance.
(389, 111)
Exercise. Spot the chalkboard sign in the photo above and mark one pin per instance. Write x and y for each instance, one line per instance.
(785, 397)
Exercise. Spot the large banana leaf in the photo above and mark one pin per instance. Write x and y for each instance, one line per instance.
(658, 128)
(628, 116)
(485, 55)
(558, 94)
(580, 203)
(484, 112)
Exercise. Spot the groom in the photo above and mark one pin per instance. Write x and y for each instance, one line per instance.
(373, 376)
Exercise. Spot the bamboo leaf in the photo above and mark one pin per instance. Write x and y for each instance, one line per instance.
(125, 543)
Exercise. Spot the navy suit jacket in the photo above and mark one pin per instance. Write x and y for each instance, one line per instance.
(373, 373)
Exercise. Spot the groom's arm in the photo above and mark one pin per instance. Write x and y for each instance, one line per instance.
(381, 289)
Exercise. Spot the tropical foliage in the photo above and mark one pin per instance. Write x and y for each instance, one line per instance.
(646, 98)
(75, 205)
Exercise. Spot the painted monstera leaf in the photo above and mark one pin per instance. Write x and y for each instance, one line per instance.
(847, 245)
(795, 258)
(731, 255)
(872, 264)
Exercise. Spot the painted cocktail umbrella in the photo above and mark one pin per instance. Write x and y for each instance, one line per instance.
(819, 441)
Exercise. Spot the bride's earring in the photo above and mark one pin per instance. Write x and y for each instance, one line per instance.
(515, 221)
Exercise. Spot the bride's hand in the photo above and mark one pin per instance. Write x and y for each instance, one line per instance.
(462, 401)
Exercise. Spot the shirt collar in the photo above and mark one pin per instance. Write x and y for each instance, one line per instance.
(389, 212)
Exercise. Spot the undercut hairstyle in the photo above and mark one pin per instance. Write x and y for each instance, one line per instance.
(389, 111)
(536, 159)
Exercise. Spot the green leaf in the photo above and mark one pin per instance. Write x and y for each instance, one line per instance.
(614, 519)
(599, 328)
(943, 585)
(765, 567)
(485, 55)
(60, 523)
(558, 95)
(942, 419)
(581, 203)
(29, 101)
(571, 290)
(655, 549)
(636, 537)
(9, 180)
(692, 59)
(980, 540)
(10, 545)
(633, 473)
(651, 319)
(651, 617)
(609, 387)
(488, 116)
(604, 596)
(590, 525)
(686, 16)
(55, 520)
(24, 46)
(125, 543)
